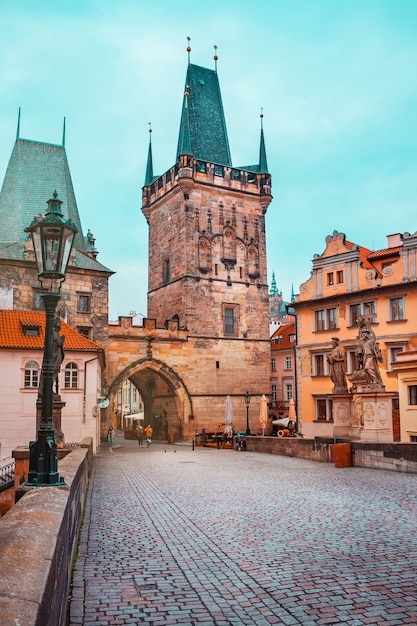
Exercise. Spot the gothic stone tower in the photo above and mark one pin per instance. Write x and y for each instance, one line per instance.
(207, 252)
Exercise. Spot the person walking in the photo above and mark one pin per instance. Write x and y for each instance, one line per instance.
(110, 435)
(139, 433)
(148, 433)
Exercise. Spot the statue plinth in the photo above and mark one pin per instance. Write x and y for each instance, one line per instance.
(341, 413)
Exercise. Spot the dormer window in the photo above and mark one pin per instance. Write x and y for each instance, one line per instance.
(31, 331)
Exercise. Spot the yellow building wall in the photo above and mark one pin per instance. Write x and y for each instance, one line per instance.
(343, 276)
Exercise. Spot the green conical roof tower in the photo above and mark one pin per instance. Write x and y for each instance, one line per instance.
(203, 131)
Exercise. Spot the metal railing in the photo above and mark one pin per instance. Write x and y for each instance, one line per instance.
(6, 473)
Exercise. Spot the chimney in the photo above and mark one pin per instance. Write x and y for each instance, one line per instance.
(395, 240)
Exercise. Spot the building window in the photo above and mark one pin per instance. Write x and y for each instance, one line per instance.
(287, 363)
(84, 303)
(274, 392)
(31, 375)
(230, 319)
(331, 318)
(31, 331)
(292, 338)
(85, 331)
(71, 376)
(363, 309)
(330, 278)
(287, 391)
(320, 320)
(166, 271)
(339, 276)
(412, 394)
(351, 361)
(319, 365)
(273, 364)
(325, 319)
(396, 309)
(393, 352)
(324, 408)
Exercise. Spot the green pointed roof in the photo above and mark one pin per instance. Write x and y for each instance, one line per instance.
(263, 165)
(149, 177)
(34, 172)
(203, 131)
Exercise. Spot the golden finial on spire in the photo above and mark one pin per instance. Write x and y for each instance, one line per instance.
(188, 49)
(186, 94)
(150, 129)
(215, 57)
(262, 117)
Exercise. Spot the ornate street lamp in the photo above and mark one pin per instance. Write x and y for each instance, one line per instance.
(52, 238)
(247, 403)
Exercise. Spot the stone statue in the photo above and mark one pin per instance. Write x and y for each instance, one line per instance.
(58, 343)
(371, 356)
(367, 356)
(336, 361)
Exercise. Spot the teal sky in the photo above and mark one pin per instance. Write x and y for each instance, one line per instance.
(336, 79)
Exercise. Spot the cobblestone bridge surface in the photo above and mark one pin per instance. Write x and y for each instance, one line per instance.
(176, 536)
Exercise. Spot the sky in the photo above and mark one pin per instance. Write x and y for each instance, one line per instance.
(336, 81)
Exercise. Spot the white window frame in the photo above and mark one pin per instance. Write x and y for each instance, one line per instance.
(328, 404)
(395, 316)
(273, 364)
(31, 375)
(288, 362)
(325, 319)
(71, 372)
(393, 350)
(314, 368)
(288, 390)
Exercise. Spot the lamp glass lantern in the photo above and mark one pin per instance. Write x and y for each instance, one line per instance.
(52, 237)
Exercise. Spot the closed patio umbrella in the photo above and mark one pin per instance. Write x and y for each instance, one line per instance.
(228, 417)
(263, 416)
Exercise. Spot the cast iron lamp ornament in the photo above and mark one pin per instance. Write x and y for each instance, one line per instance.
(247, 402)
(52, 238)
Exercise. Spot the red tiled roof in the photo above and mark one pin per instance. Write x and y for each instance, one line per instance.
(280, 340)
(12, 335)
(386, 252)
(364, 254)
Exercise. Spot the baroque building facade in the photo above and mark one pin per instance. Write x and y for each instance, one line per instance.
(351, 286)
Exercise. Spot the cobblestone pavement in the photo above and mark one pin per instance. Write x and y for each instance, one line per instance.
(176, 536)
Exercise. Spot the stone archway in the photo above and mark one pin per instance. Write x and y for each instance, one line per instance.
(167, 402)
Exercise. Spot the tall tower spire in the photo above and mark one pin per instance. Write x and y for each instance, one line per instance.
(202, 118)
(273, 291)
(63, 134)
(149, 163)
(18, 126)
(263, 165)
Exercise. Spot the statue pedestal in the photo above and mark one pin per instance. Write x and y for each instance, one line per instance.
(372, 413)
(57, 406)
(341, 414)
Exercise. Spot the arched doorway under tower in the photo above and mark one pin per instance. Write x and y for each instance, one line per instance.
(167, 403)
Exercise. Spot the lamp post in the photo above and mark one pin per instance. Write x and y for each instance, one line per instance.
(52, 238)
(247, 403)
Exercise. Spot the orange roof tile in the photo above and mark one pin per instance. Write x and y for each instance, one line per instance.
(364, 253)
(280, 340)
(12, 324)
(385, 253)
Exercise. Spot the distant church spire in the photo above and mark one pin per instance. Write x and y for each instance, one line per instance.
(263, 165)
(18, 126)
(149, 163)
(63, 134)
(273, 291)
(292, 293)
